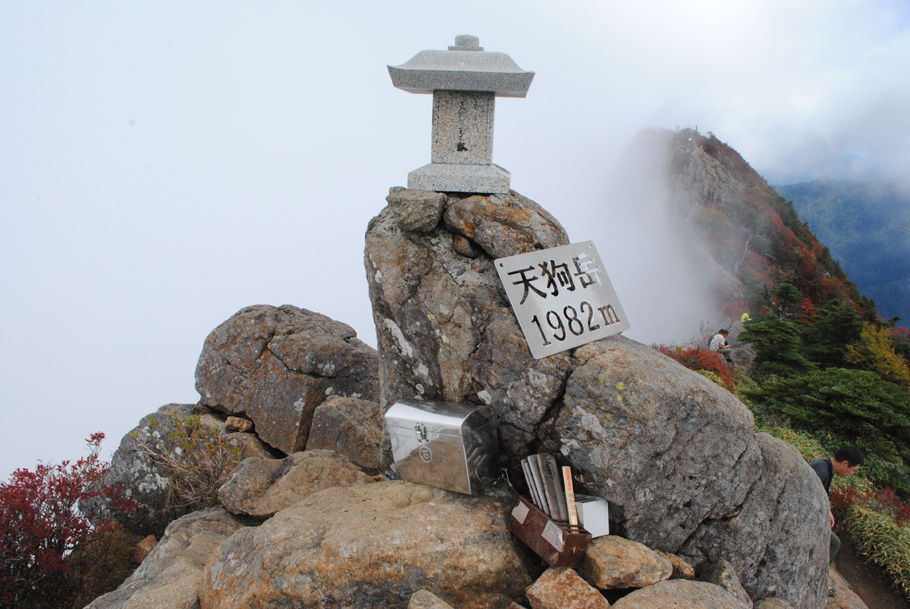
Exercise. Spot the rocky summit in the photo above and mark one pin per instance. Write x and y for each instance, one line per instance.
(317, 518)
(675, 454)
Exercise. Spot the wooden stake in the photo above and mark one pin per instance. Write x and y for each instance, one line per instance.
(570, 495)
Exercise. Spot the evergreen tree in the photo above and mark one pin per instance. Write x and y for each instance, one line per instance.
(777, 348)
(855, 404)
(831, 330)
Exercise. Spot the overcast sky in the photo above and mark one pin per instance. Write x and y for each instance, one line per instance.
(164, 164)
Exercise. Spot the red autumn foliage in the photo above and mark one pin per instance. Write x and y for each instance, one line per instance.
(846, 496)
(697, 358)
(886, 499)
(806, 308)
(40, 526)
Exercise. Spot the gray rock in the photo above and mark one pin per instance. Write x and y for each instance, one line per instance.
(371, 545)
(353, 428)
(260, 487)
(416, 210)
(275, 365)
(504, 225)
(676, 457)
(721, 574)
(681, 594)
(169, 577)
(844, 597)
(784, 515)
(776, 603)
(134, 472)
(445, 330)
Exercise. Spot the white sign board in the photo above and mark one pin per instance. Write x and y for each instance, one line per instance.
(562, 297)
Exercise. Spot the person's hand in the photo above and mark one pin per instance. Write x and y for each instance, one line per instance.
(831, 519)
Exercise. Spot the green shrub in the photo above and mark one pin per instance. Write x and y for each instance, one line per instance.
(855, 405)
(807, 444)
(828, 337)
(777, 348)
(882, 541)
(197, 464)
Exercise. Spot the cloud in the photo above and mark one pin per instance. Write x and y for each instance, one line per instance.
(164, 165)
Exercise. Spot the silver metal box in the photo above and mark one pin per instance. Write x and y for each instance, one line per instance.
(441, 444)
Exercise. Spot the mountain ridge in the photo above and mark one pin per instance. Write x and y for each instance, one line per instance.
(747, 241)
(867, 227)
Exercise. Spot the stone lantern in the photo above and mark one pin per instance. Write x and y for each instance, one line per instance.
(464, 81)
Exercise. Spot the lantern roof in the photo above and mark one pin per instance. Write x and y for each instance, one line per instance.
(463, 67)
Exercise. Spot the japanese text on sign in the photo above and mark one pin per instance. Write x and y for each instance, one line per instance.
(562, 297)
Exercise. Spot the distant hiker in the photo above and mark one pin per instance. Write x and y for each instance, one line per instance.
(744, 318)
(845, 462)
(719, 344)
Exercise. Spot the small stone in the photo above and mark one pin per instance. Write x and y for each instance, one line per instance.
(423, 599)
(352, 427)
(721, 573)
(681, 568)
(238, 424)
(615, 562)
(463, 246)
(504, 225)
(144, 548)
(564, 589)
(416, 210)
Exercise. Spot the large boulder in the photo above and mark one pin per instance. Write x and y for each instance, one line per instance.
(275, 365)
(677, 457)
(371, 545)
(139, 477)
(260, 487)
(444, 326)
(785, 514)
(169, 577)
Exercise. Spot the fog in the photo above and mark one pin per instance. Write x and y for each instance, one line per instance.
(164, 165)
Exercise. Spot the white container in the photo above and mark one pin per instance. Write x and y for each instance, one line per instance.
(593, 514)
